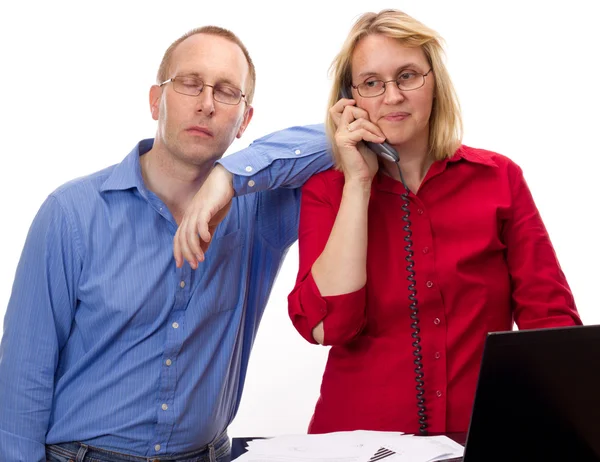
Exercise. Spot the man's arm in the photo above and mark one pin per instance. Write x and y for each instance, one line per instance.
(36, 327)
(283, 159)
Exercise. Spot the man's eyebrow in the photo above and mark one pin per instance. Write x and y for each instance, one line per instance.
(224, 80)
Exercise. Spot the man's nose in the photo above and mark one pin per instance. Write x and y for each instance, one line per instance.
(205, 101)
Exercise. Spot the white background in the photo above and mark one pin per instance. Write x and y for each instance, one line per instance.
(75, 81)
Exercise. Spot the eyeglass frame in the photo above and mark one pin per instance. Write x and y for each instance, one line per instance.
(204, 84)
(385, 82)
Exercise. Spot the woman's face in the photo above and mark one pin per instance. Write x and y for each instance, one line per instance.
(402, 115)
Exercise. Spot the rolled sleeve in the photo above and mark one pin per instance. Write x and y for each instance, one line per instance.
(286, 158)
(15, 448)
(343, 315)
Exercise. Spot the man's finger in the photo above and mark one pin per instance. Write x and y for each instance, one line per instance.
(186, 252)
(177, 250)
(202, 226)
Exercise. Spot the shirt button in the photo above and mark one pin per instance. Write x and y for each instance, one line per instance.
(157, 447)
(437, 321)
(297, 151)
(425, 249)
(168, 362)
(248, 168)
(164, 407)
(175, 325)
(420, 211)
(251, 183)
(182, 284)
(437, 355)
(438, 394)
(429, 284)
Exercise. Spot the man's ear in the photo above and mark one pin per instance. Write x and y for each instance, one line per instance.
(155, 93)
(247, 117)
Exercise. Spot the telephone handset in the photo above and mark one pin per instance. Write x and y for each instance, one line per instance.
(386, 151)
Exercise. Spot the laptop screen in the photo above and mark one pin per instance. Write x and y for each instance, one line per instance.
(538, 397)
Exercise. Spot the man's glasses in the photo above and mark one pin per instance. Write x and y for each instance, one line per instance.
(406, 81)
(193, 86)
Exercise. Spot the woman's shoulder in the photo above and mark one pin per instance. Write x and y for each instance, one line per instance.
(486, 157)
(489, 158)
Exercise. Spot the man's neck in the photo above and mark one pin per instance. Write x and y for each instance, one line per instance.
(173, 181)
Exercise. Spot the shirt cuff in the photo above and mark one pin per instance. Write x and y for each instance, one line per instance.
(343, 316)
(249, 166)
(16, 448)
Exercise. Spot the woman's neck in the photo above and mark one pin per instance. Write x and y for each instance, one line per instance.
(414, 163)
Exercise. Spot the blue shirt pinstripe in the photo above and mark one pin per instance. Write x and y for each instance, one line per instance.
(107, 342)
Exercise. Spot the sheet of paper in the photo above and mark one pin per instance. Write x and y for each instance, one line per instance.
(355, 446)
(421, 448)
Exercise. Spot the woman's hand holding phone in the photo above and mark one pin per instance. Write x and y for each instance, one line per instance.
(353, 128)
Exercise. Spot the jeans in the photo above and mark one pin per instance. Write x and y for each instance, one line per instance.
(217, 451)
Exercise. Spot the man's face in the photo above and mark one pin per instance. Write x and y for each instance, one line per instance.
(197, 129)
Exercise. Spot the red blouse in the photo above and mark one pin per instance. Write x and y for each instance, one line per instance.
(483, 259)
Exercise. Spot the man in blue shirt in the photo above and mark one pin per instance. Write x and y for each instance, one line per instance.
(110, 350)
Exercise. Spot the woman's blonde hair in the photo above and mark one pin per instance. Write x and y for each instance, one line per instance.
(445, 126)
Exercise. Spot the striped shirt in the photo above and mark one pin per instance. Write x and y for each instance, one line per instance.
(108, 343)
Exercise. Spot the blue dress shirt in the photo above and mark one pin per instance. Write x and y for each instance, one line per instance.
(108, 343)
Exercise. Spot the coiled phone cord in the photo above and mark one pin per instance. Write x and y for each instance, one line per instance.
(420, 387)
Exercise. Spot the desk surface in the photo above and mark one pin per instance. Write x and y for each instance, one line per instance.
(238, 445)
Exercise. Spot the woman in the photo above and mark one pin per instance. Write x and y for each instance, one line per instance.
(407, 326)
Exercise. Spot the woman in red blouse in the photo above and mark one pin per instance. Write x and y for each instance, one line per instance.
(482, 256)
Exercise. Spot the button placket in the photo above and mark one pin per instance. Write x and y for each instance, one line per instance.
(173, 342)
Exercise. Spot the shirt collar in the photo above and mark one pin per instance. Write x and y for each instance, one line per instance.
(128, 174)
(463, 153)
(472, 155)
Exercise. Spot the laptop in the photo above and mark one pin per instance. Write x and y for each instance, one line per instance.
(537, 397)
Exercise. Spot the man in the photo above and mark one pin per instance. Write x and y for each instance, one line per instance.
(110, 350)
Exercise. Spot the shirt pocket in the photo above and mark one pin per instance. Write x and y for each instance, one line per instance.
(223, 280)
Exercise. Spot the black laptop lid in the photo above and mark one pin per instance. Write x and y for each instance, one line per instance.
(538, 397)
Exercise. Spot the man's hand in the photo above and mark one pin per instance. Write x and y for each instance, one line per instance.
(207, 209)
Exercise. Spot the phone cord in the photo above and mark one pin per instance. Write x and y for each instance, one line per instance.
(420, 387)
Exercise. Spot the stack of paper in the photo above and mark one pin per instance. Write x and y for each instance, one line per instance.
(356, 446)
